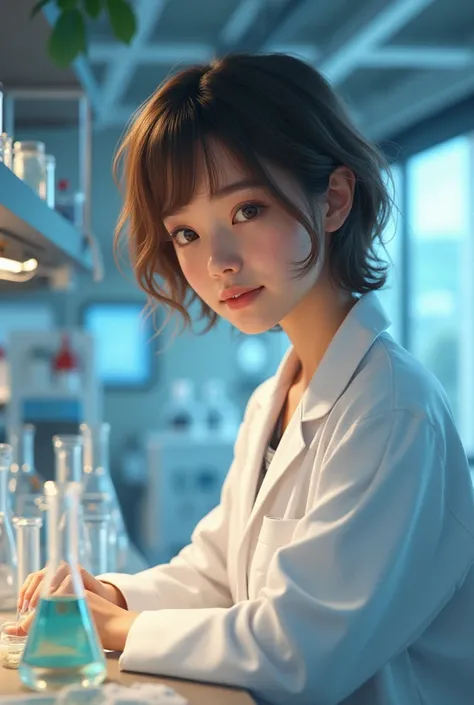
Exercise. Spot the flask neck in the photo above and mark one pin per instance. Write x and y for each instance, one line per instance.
(63, 531)
(68, 461)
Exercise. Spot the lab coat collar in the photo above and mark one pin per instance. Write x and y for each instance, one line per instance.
(359, 330)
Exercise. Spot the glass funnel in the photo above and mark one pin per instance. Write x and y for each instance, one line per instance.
(8, 559)
(25, 485)
(63, 647)
(99, 494)
(68, 468)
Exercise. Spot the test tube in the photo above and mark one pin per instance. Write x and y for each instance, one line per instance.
(97, 529)
(28, 547)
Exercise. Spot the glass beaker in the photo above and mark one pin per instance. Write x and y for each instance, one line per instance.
(8, 558)
(68, 468)
(63, 647)
(26, 485)
(29, 165)
(99, 491)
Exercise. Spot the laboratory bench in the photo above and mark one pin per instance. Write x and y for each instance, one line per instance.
(195, 693)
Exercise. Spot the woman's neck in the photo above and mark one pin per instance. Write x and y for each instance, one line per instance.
(312, 325)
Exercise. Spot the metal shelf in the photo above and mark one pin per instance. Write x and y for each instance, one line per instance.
(43, 233)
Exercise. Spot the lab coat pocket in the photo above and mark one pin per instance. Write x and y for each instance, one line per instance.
(274, 534)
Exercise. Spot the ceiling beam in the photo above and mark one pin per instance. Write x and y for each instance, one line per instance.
(418, 57)
(240, 21)
(298, 14)
(120, 72)
(162, 54)
(376, 22)
(413, 100)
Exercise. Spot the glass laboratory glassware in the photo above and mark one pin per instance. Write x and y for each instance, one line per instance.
(8, 558)
(63, 647)
(98, 532)
(68, 468)
(6, 150)
(99, 491)
(29, 165)
(26, 485)
(28, 547)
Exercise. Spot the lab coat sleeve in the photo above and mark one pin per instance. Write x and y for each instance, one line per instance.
(369, 567)
(197, 576)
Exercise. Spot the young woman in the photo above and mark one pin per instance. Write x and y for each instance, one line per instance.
(338, 566)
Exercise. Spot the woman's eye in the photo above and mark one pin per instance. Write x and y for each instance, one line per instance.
(183, 236)
(249, 211)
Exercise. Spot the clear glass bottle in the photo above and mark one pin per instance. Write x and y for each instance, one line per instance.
(26, 485)
(63, 647)
(29, 165)
(50, 163)
(99, 495)
(184, 413)
(6, 150)
(8, 558)
(220, 413)
(68, 468)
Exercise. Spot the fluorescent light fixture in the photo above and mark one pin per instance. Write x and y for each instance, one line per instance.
(16, 267)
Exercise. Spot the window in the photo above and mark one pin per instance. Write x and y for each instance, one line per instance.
(390, 295)
(438, 195)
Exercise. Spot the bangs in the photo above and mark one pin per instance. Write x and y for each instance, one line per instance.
(180, 154)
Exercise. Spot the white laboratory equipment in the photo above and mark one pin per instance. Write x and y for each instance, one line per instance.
(184, 484)
(37, 398)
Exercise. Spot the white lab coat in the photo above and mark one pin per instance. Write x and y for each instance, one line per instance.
(350, 579)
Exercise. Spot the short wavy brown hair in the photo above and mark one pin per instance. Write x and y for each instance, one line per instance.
(266, 109)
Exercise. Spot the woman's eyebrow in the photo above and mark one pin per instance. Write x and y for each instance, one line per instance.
(221, 192)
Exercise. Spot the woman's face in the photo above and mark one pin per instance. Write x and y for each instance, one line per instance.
(241, 237)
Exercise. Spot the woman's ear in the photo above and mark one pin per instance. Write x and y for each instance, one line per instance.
(339, 198)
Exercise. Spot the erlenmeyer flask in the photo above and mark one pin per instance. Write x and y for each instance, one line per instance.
(63, 647)
(68, 468)
(99, 495)
(25, 485)
(8, 560)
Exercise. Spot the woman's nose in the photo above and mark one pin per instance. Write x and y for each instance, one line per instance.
(224, 257)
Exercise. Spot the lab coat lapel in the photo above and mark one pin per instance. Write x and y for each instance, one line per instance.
(262, 425)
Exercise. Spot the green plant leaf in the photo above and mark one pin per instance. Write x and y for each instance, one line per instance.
(66, 4)
(38, 7)
(93, 8)
(68, 38)
(122, 19)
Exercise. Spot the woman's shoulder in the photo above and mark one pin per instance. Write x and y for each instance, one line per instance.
(390, 379)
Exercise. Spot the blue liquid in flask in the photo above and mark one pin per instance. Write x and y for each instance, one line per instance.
(62, 647)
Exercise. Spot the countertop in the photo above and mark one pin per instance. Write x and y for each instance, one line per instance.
(195, 693)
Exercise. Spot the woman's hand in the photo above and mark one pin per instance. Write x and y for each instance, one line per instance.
(112, 622)
(30, 591)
